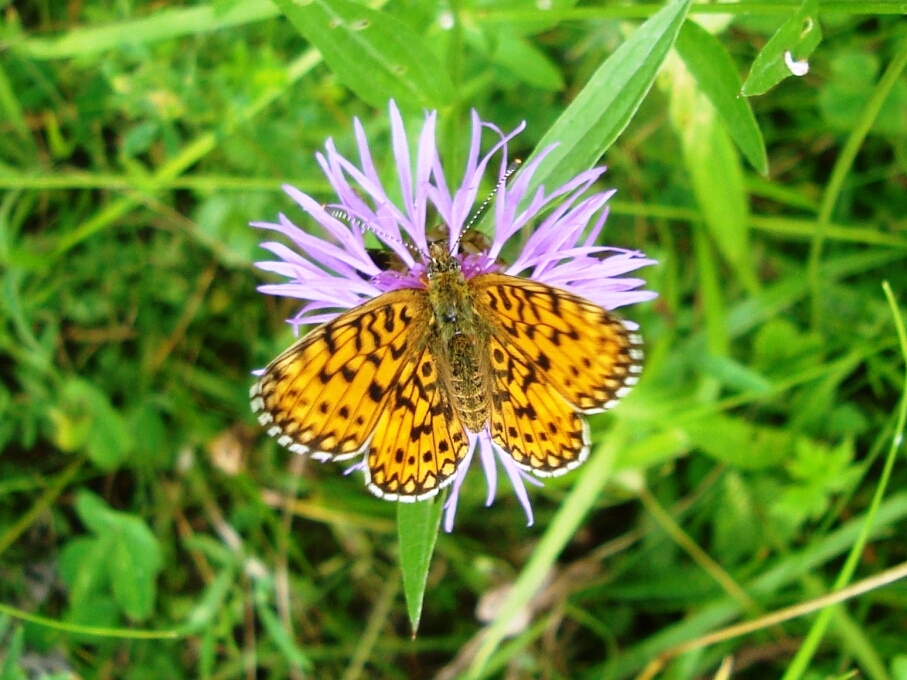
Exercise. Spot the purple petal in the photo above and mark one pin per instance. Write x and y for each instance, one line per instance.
(450, 507)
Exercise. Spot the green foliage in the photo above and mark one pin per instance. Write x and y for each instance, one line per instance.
(85, 421)
(815, 473)
(603, 109)
(842, 98)
(417, 531)
(794, 41)
(115, 569)
(12, 645)
(138, 494)
(716, 76)
(348, 36)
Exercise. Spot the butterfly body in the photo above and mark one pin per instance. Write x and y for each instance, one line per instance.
(404, 376)
(460, 337)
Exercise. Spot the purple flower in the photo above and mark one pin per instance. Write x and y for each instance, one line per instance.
(336, 272)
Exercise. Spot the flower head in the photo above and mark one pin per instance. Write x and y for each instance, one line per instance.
(337, 272)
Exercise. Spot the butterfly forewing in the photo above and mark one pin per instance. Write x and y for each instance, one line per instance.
(325, 393)
(367, 381)
(584, 351)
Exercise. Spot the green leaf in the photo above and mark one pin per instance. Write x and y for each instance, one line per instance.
(899, 667)
(140, 137)
(711, 66)
(852, 80)
(99, 612)
(374, 54)
(527, 62)
(131, 556)
(150, 435)
(9, 669)
(209, 603)
(606, 104)
(830, 469)
(135, 565)
(94, 513)
(12, 113)
(84, 568)
(733, 374)
(417, 529)
(736, 531)
(798, 503)
(279, 635)
(653, 449)
(85, 420)
(798, 36)
(779, 348)
(817, 473)
(715, 173)
(850, 84)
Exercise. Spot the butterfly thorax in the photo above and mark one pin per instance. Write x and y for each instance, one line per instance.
(460, 336)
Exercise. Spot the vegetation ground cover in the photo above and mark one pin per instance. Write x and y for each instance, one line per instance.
(149, 528)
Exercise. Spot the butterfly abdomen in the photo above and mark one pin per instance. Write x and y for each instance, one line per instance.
(468, 381)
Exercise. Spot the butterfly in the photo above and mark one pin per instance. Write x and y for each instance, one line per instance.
(406, 376)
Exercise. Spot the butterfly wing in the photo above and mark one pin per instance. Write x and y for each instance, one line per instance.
(350, 385)
(420, 439)
(529, 419)
(554, 356)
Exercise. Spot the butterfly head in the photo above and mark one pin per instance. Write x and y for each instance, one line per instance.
(440, 260)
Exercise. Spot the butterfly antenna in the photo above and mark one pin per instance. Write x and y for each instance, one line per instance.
(482, 209)
(343, 215)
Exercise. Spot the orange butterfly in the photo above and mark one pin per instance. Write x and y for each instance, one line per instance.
(405, 376)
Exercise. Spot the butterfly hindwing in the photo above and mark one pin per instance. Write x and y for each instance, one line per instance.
(420, 439)
(530, 419)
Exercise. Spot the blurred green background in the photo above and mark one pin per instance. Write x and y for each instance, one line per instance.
(139, 139)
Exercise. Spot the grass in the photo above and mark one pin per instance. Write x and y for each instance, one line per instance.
(149, 528)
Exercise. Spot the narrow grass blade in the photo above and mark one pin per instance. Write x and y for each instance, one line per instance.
(9, 670)
(162, 24)
(11, 112)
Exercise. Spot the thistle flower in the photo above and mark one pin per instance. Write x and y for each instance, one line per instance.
(336, 273)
